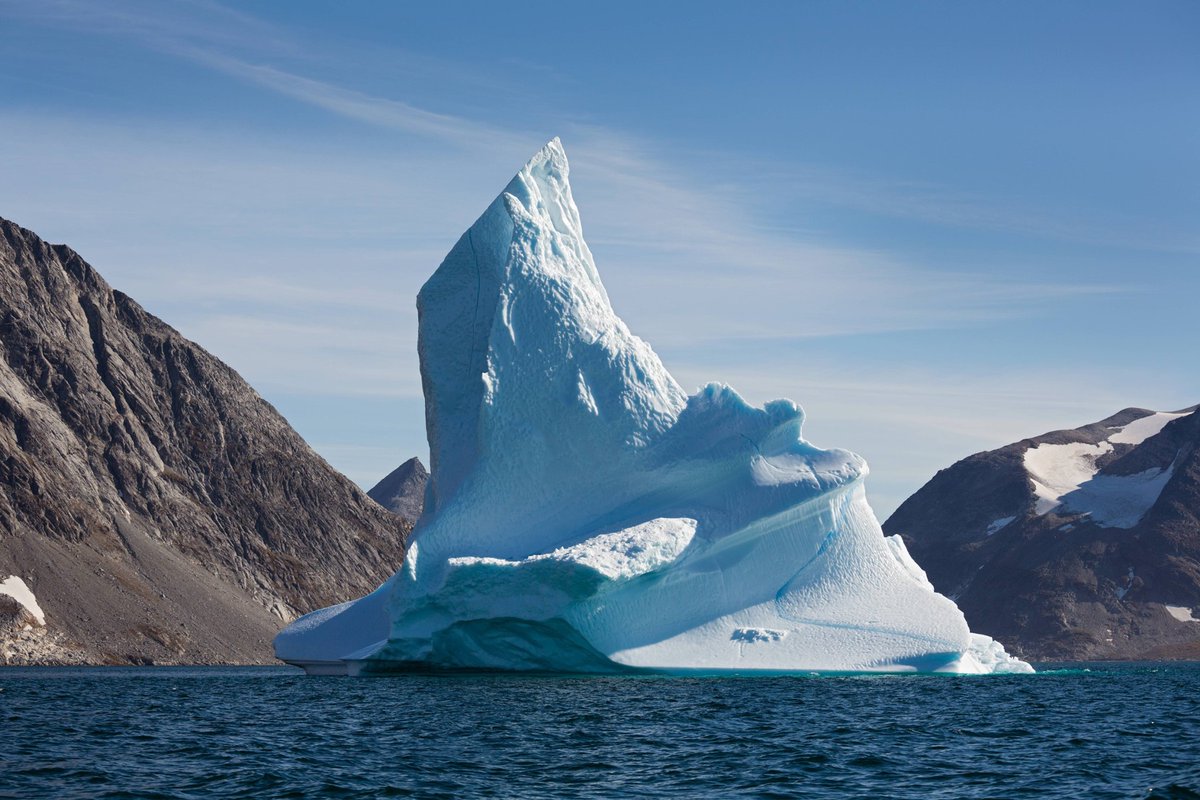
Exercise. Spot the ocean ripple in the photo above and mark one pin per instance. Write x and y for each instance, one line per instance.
(1107, 731)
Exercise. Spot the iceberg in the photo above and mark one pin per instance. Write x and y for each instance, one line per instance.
(584, 514)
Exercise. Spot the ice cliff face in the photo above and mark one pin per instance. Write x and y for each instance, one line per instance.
(584, 514)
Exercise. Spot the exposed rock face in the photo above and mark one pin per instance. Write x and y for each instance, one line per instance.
(1077, 544)
(157, 506)
(14, 616)
(403, 491)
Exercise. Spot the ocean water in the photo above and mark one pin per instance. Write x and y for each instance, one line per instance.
(1121, 731)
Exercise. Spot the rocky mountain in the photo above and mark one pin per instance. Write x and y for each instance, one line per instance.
(403, 490)
(1077, 544)
(156, 507)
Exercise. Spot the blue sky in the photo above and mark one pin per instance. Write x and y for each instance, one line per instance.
(939, 227)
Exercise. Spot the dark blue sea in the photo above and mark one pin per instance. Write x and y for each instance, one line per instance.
(1095, 731)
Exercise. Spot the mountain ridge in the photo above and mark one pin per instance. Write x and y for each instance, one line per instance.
(1074, 544)
(156, 505)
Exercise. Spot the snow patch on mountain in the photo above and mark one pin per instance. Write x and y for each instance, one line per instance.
(1066, 477)
(17, 589)
(1124, 589)
(1058, 469)
(1118, 501)
(1181, 613)
(1142, 429)
(997, 525)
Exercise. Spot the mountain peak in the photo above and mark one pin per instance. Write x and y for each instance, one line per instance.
(156, 506)
(403, 490)
(1071, 544)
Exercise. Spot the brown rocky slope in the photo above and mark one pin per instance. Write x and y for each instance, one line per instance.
(1077, 544)
(159, 508)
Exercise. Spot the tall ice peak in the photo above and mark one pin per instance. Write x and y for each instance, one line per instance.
(514, 323)
(583, 514)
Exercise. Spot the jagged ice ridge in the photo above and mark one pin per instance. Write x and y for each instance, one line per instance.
(584, 514)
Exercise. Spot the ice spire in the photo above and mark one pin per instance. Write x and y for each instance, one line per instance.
(583, 514)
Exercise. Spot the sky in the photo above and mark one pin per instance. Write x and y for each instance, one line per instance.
(940, 227)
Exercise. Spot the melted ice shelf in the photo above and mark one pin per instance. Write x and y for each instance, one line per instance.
(584, 514)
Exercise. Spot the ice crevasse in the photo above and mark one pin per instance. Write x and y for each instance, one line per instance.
(584, 514)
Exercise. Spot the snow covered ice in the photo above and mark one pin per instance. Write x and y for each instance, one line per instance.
(585, 514)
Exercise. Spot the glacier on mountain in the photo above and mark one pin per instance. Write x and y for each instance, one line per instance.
(584, 514)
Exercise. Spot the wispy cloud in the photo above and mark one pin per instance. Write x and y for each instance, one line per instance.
(360, 106)
(666, 233)
(940, 205)
(242, 46)
(156, 23)
(297, 261)
(655, 229)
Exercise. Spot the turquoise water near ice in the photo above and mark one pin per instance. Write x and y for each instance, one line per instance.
(1116, 730)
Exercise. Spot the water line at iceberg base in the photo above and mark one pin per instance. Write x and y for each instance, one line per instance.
(584, 515)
